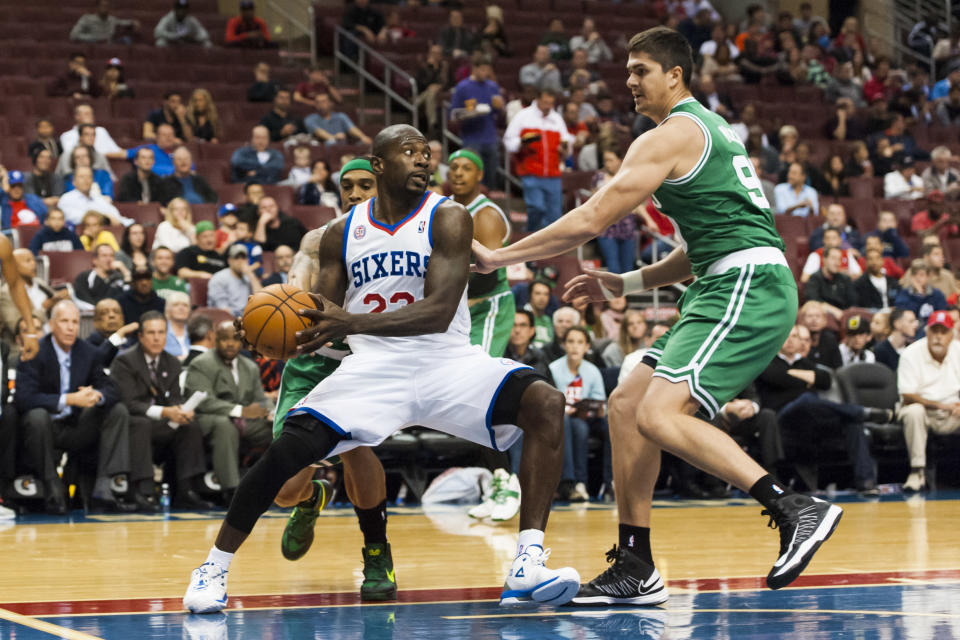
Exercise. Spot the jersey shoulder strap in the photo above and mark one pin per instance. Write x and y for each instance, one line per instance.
(482, 202)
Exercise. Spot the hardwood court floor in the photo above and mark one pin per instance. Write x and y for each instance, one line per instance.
(101, 564)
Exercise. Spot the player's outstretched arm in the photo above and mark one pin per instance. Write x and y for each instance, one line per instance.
(587, 286)
(18, 291)
(652, 157)
(306, 262)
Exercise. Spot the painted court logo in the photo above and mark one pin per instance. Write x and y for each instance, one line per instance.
(360, 232)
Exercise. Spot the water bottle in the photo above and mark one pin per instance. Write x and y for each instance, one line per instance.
(165, 497)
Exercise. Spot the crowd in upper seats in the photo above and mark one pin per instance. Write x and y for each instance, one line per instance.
(888, 273)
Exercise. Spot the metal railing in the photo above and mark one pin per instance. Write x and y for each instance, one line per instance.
(390, 71)
(292, 29)
(893, 27)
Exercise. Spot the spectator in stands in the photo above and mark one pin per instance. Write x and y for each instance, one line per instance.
(875, 289)
(165, 282)
(364, 22)
(300, 170)
(279, 121)
(563, 319)
(319, 188)
(787, 387)
(82, 156)
(140, 297)
(109, 333)
(886, 240)
(947, 48)
(904, 183)
(541, 73)
(940, 176)
(860, 162)
(104, 280)
(282, 261)
(45, 139)
(824, 347)
(184, 182)
(77, 82)
(456, 39)
(902, 144)
(697, 28)
(103, 142)
(581, 382)
(576, 127)
(254, 250)
(836, 218)
(275, 228)
(904, 328)
(42, 296)
(918, 296)
(708, 96)
(18, 208)
(177, 312)
(942, 88)
(200, 260)
(795, 197)
(938, 275)
(226, 233)
(202, 117)
(263, 88)
(247, 29)
(948, 110)
(830, 286)
(113, 82)
(177, 231)
(67, 403)
(94, 234)
(101, 27)
(91, 158)
(142, 184)
(75, 204)
(854, 349)
(928, 376)
(476, 103)
(55, 235)
(332, 127)
(579, 74)
(881, 83)
(134, 252)
(590, 39)
(845, 125)
(249, 209)
(834, 174)
(618, 243)
(492, 37)
(172, 112)
(520, 347)
(556, 40)
(542, 321)
(178, 27)
(234, 409)
(630, 337)
(201, 334)
(433, 79)
(936, 220)
(540, 139)
(316, 83)
(611, 317)
(257, 161)
(765, 184)
(162, 148)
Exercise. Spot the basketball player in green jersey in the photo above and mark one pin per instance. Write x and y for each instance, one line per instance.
(733, 318)
(363, 474)
(491, 302)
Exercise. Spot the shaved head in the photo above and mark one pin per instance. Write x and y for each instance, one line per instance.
(394, 135)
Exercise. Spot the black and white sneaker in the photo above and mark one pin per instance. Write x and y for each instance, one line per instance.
(628, 581)
(805, 523)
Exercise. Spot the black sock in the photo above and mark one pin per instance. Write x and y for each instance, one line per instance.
(311, 502)
(767, 490)
(637, 539)
(373, 523)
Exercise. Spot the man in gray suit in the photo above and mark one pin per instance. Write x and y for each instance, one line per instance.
(235, 407)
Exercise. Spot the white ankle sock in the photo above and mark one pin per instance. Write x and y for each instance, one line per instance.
(220, 558)
(529, 538)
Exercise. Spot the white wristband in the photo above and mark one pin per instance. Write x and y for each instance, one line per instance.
(633, 282)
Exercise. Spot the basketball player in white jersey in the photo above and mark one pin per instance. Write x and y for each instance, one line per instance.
(399, 264)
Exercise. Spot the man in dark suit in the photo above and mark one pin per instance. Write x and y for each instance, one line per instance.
(874, 289)
(109, 333)
(148, 379)
(68, 403)
(708, 96)
(282, 261)
(202, 338)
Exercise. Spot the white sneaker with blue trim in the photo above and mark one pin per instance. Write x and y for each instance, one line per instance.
(207, 592)
(530, 581)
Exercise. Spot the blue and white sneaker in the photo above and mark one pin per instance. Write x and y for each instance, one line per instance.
(530, 581)
(207, 592)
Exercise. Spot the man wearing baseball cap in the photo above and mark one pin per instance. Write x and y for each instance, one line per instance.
(140, 297)
(247, 29)
(856, 335)
(16, 207)
(201, 259)
(229, 288)
(928, 379)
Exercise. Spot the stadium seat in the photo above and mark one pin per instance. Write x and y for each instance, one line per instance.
(216, 314)
(65, 265)
(198, 291)
(874, 385)
(312, 217)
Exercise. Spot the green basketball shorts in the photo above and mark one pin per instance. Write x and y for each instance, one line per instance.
(731, 326)
(491, 322)
(300, 375)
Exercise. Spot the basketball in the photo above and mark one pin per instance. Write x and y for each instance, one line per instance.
(271, 321)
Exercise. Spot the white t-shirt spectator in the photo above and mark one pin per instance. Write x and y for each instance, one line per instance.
(896, 187)
(170, 237)
(103, 143)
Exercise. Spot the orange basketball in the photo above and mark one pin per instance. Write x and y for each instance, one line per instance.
(271, 321)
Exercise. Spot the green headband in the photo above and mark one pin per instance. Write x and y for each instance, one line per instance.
(357, 163)
(469, 155)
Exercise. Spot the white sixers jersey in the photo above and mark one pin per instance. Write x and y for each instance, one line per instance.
(386, 267)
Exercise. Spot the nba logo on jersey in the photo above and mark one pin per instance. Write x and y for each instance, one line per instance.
(359, 232)
(422, 226)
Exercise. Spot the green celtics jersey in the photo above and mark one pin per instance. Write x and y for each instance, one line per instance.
(718, 207)
(488, 284)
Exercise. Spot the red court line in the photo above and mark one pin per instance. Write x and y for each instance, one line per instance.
(147, 605)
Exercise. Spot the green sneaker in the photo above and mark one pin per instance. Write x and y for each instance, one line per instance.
(379, 582)
(298, 534)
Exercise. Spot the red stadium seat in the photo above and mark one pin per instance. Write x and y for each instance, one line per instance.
(65, 265)
(312, 217)
(198, 291)
(216, 314)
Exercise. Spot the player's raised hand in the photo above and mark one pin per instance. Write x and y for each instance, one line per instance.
(586, 287)
(483, 260)
(330, 322)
